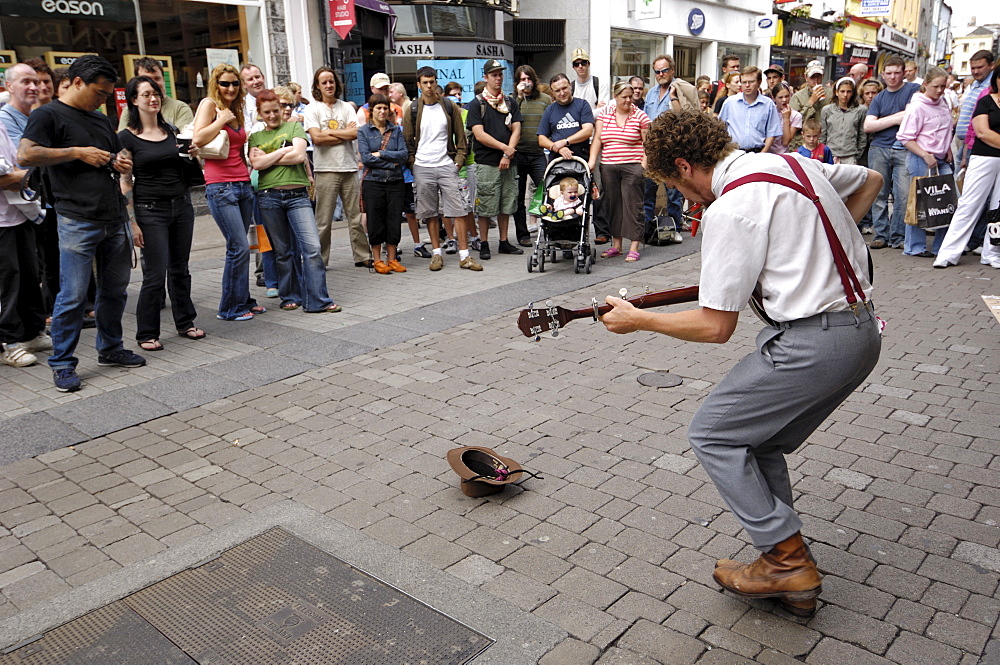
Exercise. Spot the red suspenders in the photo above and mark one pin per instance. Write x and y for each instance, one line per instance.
(852, 286)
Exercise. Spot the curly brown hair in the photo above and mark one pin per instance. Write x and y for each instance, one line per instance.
(699, 138)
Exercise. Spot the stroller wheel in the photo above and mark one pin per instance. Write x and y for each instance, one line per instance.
(541, 261)
(531, 262)
(588, 264)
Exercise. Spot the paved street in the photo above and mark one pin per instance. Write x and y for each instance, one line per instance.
(336, 428)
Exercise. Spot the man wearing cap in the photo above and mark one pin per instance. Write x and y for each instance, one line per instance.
(586, 86)
(495, 122)
(379, 85)
(813, 96)
(775, 74)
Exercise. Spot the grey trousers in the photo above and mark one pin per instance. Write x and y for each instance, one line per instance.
(767, 406)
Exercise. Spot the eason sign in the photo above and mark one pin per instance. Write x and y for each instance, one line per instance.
(647, 8)
(896, 40)
(100, 10)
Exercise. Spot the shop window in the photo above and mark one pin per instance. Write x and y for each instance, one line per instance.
(632, 54)
(430, 21)
(748, 56)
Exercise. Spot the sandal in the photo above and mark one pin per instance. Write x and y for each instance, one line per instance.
(332, 308)
(608, 253)
(290, 306)
(601, 240)
(632, 257)
(151, 345)
(258, 309)
(192, 333)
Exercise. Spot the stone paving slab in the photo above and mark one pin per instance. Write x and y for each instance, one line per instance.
(615, 546)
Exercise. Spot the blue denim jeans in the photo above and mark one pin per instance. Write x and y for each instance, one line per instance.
(916, 238)
(82, 243)
(891, 164)
(291, 225)
(231, 205)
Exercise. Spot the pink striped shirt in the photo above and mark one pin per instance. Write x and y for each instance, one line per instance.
(622, 145)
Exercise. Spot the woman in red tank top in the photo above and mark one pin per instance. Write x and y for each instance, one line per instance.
(227, 188)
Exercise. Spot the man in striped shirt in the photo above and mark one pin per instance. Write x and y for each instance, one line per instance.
(981, 64)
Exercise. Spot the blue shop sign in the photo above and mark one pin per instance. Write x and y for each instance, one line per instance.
(696, 21)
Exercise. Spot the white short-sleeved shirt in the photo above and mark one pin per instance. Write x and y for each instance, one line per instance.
(432, 150)
(767, 236)
(332, 158)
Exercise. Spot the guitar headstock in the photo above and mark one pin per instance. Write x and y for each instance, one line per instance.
(536, 320)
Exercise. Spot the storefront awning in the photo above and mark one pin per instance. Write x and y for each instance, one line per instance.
(380, 7)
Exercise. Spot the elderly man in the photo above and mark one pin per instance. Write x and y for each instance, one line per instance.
(669, 94)
(859, 73)
(22, 83)
(781, 230)
(176, 112)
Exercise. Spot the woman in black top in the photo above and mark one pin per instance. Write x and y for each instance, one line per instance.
(164, 219)
(982, 183)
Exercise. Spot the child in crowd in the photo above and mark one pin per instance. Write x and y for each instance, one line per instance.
(811, 147)
(568, 204)
(844, 124)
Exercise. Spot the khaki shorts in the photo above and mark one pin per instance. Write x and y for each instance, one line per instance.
(496, 191)
(437, 188)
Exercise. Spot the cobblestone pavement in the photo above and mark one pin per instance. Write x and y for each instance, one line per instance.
(899, 490)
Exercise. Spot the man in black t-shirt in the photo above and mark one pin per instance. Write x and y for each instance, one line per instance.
(80, 151)
(495, 122)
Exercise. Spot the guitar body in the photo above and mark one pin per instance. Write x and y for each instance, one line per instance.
(535, 320)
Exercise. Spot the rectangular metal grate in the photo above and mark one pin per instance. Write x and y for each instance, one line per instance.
(277, 599)
(111, 635)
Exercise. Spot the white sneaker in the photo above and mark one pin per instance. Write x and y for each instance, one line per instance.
(677, 238)
(41, 343)
(978, 251)
(15, 356)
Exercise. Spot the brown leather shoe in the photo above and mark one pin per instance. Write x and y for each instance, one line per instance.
(787, 573)
(396, 266)
(381, 268)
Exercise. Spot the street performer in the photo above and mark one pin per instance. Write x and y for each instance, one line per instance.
(781, 230)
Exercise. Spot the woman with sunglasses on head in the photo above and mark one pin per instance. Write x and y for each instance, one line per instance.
(164, 219)
(227, 188)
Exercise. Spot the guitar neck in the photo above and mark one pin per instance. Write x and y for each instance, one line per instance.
(644, 301)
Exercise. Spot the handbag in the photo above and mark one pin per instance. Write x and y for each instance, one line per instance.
(932, 201)
(217, 148)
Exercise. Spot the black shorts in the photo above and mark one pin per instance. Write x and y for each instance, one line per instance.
(409, 201)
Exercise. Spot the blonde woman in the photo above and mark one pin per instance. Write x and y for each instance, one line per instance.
(227, 188)
(621, 130)
(732, 87)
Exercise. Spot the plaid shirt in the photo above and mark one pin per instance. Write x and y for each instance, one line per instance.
(968, 106)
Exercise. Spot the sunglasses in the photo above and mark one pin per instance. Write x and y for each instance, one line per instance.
(228, 84)
(581, 63)
(663, 71)
(287, 105)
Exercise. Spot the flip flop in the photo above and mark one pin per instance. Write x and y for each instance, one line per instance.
(151, 345)
(192, 333)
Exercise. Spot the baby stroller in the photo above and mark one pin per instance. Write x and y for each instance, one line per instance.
(559, 232)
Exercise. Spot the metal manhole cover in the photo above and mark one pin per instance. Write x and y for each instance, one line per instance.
(111, 635)
(660, 379)
(277, 599)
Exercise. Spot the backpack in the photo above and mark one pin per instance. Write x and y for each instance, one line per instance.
(597, 88)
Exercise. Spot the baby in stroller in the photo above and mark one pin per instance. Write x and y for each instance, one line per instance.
(568, 204)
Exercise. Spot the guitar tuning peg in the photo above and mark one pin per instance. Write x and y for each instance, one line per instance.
(548, 303)
(623, 292)
(647, 288)
(538, 338)
(531, 305)
(555, 333)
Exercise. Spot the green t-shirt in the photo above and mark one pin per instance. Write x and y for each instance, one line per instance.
(270, 140)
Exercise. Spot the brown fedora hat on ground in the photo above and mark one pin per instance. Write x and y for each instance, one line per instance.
(483, 471)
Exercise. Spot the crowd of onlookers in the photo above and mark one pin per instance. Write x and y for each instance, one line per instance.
(451, 164)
